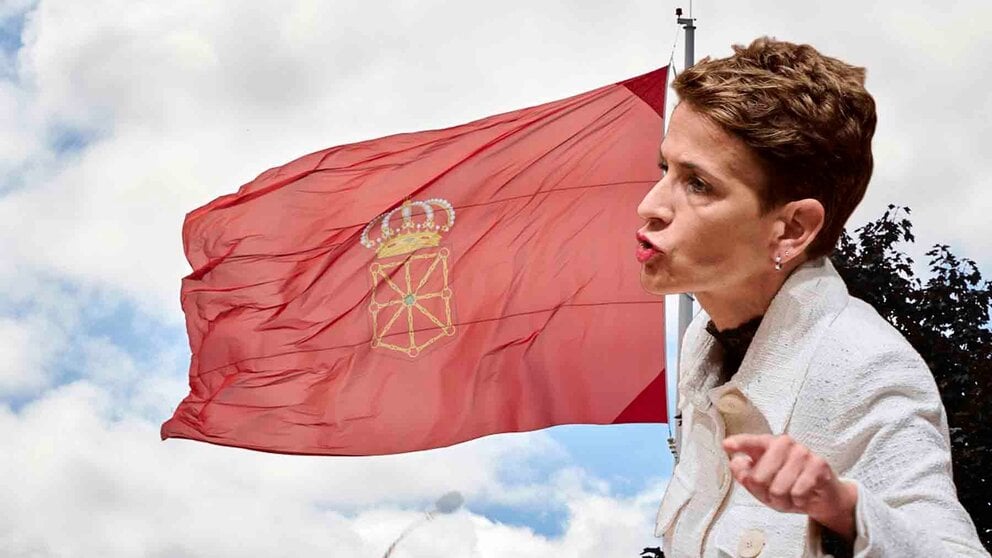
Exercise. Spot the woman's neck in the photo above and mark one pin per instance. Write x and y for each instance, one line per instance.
(734, 306)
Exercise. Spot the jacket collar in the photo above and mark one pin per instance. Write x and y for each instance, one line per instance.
(777, 360)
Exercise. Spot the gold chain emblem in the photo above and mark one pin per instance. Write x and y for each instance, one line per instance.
(411, 297)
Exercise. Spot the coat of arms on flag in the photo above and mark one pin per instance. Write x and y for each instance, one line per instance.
(411, 298)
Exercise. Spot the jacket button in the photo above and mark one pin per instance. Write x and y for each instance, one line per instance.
(731, 403)
(751, 543)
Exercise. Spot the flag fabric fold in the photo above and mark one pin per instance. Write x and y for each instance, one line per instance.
(424, 289)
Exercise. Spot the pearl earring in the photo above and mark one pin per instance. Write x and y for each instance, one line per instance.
(778, 263)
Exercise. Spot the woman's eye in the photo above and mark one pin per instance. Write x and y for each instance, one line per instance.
(697, 186)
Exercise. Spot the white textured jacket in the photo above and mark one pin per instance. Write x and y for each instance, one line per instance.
(826, 369)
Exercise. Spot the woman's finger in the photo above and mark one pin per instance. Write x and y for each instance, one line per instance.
(807, 482)
(740, 466)
(753, 445)
(768, 466)
(780, 489)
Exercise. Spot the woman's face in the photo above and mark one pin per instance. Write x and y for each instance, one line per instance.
(704, 231)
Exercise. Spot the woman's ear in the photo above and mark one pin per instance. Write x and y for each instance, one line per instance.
(799, 223)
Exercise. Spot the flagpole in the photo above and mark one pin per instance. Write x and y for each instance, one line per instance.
(685, 299)
(690, 36)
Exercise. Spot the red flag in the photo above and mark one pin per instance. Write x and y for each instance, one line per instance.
(424, 289)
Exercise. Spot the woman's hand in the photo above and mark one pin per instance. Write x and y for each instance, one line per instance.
(786, 476)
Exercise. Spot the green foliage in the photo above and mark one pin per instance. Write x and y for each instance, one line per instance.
(946, 319)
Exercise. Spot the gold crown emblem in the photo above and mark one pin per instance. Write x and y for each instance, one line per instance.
(415, 232)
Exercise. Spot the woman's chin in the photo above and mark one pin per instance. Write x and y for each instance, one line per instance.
(657, 284)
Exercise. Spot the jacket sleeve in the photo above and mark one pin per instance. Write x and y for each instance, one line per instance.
(894, 428)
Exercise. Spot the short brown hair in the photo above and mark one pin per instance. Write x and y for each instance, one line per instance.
(806, 115)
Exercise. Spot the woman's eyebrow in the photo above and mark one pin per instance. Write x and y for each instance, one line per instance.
(688, 165)
(694, 167)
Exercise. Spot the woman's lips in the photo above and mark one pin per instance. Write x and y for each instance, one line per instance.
(645, 250)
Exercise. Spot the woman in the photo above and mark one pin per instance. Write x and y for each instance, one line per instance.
(810, 426)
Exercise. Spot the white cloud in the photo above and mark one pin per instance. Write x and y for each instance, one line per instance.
(21, 358)
(934, 120)
(180, 102)
(10, 8)
(32, 343)
(95, 480)
(89, 484)
(19, 137)
(184, 102)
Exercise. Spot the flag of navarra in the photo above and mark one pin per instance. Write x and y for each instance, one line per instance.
(410, 286)
(336, 307)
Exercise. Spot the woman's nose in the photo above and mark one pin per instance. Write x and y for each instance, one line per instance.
(656, 203)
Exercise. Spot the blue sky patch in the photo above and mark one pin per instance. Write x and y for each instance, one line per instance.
(68, 141)
(10, 34)
(94, 314)
(549, 521)
(628, 456)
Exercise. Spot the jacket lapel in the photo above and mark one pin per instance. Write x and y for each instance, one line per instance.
(778, 359)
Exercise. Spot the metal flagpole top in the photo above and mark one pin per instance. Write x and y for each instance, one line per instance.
(688, 25)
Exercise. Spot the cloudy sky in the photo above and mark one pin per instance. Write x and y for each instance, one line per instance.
(119, 116)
